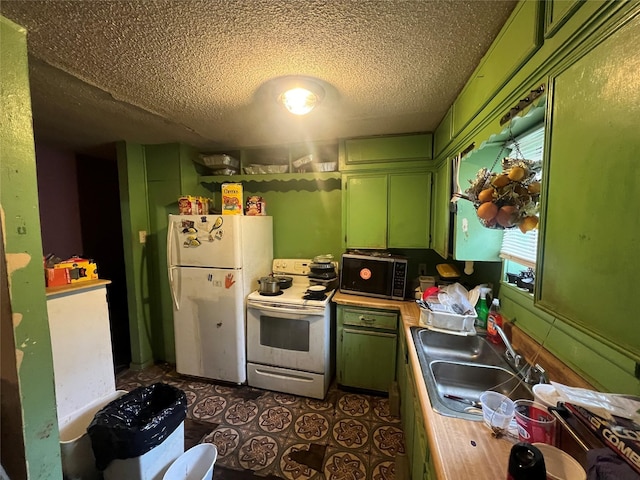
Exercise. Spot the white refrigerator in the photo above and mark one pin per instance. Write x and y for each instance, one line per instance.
(214, 262)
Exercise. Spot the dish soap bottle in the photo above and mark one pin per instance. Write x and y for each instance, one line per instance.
(482, 309)
(494, 319)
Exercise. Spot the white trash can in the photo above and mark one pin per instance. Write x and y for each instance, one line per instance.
(194, 464)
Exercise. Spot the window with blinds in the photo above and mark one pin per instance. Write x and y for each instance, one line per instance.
(517, 246)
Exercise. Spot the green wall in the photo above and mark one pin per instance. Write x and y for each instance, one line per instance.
(135, 218)
(21, 230)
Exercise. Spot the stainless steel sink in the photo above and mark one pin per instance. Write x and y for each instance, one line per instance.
(463, 367)
(470, 348)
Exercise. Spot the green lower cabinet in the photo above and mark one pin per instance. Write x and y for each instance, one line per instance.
(415, 435)
(366, 348)
(420, 458)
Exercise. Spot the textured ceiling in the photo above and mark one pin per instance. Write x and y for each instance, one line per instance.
(205, 72)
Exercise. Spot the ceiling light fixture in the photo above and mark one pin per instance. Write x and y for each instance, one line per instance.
(302, 97)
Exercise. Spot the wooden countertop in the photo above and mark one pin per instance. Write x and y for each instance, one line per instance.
(77, 287)
(459, 448)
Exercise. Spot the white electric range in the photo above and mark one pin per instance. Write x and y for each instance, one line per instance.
(289, 336)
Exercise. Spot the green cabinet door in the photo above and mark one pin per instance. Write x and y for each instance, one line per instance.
(420, 457)
(409, 210)
(368, 359)
(441, 214)
(365, 199)
(590, 226)
(407, 414)
(387, 210)
(389, 151)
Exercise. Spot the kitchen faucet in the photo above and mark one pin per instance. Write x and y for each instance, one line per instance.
(510, 351)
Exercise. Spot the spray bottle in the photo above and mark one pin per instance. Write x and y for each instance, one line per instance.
(482, 308)
(494, 319)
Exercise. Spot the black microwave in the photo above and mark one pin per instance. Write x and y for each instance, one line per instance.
(374, 276)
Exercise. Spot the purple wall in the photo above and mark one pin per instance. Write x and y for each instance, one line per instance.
(59, 205)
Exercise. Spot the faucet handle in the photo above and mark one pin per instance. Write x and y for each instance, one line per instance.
(515, 358)
(536, 374)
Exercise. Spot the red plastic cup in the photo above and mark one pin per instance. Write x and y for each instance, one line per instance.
(535, 423)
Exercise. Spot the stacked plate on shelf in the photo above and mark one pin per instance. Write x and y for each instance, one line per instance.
(220, 164)
(261, 169)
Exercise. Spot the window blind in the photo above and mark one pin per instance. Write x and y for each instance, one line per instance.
(517, 246)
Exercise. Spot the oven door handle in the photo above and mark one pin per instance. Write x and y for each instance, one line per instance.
(302, 312)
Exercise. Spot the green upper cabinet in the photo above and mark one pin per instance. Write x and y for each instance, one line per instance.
(557, 12)
(365, 204)
(387, 210)
(518, 40)
(409, 210)
(590, 229)
(387, 152)
(441, 216)
(443, 134)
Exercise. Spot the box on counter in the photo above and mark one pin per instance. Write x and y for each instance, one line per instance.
(232, 199)
(56, 277)
(80, 269)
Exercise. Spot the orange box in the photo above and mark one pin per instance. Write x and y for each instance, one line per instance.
(56, 277)
(80, 269)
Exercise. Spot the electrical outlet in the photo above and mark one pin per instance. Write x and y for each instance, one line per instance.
(142, 236)
(422, 269)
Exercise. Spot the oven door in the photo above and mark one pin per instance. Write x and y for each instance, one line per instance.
(287, 337)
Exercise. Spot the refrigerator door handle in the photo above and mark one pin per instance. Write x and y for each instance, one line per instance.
(169, 244)
(172, 287)
(171, 268)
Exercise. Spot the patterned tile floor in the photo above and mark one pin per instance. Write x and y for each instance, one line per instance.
(280, 436)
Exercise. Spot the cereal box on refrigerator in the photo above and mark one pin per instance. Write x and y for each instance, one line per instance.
(232, 199)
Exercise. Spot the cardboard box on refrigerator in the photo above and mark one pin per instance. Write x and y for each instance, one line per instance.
(232, 199)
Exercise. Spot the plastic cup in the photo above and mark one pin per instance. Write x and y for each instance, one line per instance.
(535, 423)
(497, 409)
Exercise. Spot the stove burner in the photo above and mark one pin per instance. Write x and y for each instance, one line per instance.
(271, 294)
(310, 296)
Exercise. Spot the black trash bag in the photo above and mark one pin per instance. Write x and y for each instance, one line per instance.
(135, 423)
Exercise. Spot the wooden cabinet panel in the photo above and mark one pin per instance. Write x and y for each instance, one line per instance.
(441, 215)
(557, 12)
(366, 210)
(388, 151)
(444, 133)
(516, 43)
(409, 210)
(420, 457)
(370, 318)
(590, 229)
(387, 210)
(368, 359)
(366, 356)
